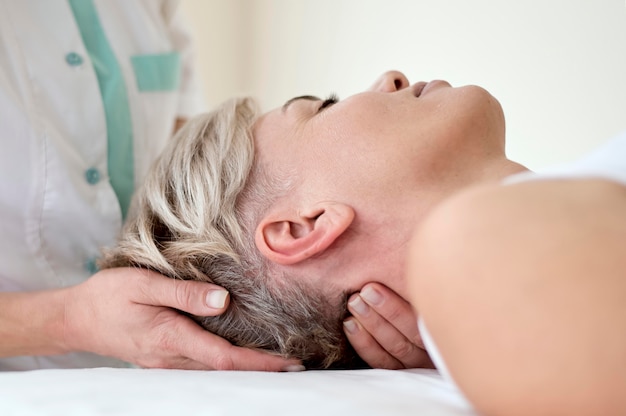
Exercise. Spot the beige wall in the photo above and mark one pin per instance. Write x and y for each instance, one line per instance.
(220, 31)
(557, 66)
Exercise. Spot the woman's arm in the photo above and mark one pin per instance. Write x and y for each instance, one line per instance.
(523, 289)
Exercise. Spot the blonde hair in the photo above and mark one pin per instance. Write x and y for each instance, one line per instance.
(194, 218)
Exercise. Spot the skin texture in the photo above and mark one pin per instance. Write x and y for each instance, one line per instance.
(527, 314)
(439, 138)
(432, 157)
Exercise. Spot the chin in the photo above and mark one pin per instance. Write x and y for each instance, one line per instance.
(479, 112)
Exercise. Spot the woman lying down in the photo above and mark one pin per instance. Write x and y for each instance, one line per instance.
(518, 279)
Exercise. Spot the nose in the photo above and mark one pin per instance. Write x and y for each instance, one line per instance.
(390, 81)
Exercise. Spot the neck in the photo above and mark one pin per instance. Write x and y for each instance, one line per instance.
(376, 246)
(381, 234)
(498, 171)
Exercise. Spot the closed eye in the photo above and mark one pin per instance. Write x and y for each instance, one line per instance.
(332, 99)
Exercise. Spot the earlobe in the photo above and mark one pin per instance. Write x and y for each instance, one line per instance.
(284, 240)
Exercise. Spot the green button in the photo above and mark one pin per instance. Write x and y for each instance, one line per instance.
(92, 175)
(73, 59)
(92, 266)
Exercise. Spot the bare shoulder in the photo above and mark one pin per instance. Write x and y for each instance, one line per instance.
(522, 287)
(537, 213)
(541, 199)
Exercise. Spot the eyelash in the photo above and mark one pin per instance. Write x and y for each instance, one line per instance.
(332, 99)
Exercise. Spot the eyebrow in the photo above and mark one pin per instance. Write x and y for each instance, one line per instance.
(301, 97)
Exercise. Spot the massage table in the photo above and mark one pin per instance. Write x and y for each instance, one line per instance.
(158, 392)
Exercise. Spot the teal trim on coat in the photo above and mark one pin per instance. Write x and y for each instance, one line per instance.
(120, 154)
(157, 72)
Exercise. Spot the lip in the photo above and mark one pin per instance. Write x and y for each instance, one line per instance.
(422, 88)
(418, 88)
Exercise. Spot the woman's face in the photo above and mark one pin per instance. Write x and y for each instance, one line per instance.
(390, 152)
(392, 138)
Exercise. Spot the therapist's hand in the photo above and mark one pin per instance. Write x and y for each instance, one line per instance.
(130, 314)
(383, 329)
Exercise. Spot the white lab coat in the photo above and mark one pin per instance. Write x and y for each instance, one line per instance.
(53, 221)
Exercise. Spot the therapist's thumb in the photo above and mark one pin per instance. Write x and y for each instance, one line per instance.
(196, 298)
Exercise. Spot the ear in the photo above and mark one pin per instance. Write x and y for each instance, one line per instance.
(286, 241)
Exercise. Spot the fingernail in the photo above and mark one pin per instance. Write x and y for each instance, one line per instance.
(372, 296)
(350, 326)
(216, 299)
(358, 305)
(292, 368)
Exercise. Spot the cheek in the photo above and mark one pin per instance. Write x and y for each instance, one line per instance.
(346, 143)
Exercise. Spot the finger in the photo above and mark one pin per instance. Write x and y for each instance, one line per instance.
(387, 335)
(394, 309)
(216, 353)
(368, 349)
(197, 298)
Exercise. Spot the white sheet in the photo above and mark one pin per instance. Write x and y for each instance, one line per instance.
(116, 391)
